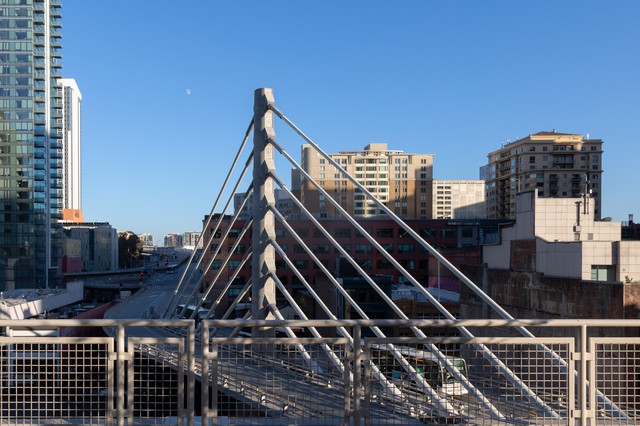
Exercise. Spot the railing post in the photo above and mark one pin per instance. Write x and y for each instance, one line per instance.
(263, 260)
(584, 403)
(204, 372)
(120, 353)
(368, 392)
(191, 378)
(357, 371)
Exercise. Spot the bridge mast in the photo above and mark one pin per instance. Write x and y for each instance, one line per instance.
(263, 293)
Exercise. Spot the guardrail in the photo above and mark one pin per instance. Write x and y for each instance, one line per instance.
(151, 372)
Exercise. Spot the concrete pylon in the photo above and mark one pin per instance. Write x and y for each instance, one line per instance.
(263, 260)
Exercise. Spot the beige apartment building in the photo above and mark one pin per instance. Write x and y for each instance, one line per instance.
(401, 180)
(458, 199)
(558, 165)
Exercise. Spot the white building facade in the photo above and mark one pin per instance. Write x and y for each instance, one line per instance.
(72, 144)
(569, 241)
(458, 199)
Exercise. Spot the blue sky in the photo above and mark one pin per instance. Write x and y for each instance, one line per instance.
(168, 89)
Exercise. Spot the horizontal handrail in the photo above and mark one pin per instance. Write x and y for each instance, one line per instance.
(31, 323)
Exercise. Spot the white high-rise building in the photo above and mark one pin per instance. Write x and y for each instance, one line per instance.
(458, 199)
(72, 143)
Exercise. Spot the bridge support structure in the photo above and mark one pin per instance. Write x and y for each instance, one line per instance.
(263, 297)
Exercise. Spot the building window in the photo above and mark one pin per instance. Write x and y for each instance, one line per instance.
(407, 264)
(385, 232)
(321, 248)
(448, 232)
(363, 248)
(603, 272)
(387, 247)
(301, 263)
(383, 264)
(239, 248)
(233, 264)
(405, 248)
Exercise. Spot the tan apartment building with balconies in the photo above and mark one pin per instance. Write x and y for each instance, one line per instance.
(558, 165)
(402, 181)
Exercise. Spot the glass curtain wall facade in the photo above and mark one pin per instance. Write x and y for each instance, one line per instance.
(30, 142)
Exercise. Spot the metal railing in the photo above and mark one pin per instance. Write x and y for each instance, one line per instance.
(181, 372)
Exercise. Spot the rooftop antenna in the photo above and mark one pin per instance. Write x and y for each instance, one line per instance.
(586, 193)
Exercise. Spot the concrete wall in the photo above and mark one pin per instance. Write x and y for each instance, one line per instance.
(559, 259)
(526, 295)
(557, 218)
(629, 261)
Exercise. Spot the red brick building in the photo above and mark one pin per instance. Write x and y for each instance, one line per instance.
(460, 242)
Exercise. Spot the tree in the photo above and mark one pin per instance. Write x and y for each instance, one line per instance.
(129, 250)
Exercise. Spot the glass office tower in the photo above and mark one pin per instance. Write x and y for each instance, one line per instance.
(30, 142)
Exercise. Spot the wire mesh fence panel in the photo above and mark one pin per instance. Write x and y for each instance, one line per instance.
(155, 381)
(474, 383)
(531, 383)
(616, 368)
(44, 380)
(404, 382)
(293, 380)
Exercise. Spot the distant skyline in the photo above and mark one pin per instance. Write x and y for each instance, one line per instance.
(168, 89)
